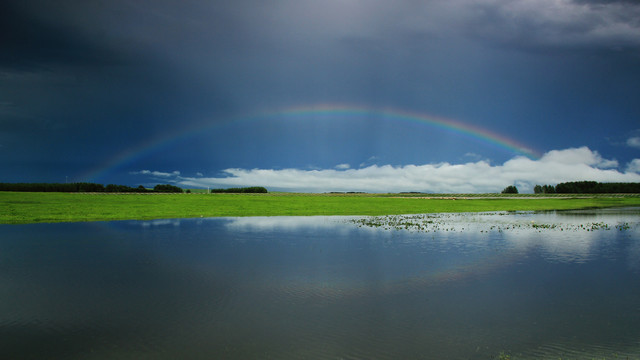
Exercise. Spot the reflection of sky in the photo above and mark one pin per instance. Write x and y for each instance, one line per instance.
(457, 247)
(114, 281)
(573, 239)
(567, 240)
(565, 236)
(568, 246)
(633, 257)
(282, 223)
(559, 236)
(160, 222)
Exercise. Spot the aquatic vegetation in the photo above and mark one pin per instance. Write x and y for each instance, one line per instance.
(506, 356)
(623, 226)
(471, 222)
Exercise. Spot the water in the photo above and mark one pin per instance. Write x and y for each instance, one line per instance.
(466, 286)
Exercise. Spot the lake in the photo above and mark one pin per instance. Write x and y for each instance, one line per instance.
(449, 286)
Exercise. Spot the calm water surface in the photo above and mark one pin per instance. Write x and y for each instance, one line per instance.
(464, 286)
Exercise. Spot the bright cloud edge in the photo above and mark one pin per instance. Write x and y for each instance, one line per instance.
(555, 166)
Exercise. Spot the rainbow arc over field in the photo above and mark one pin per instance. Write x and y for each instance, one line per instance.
(455, 126)
(308, 113)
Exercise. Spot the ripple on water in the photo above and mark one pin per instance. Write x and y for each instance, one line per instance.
(323, 289)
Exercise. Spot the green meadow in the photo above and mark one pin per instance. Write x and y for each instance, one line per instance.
(27, 207)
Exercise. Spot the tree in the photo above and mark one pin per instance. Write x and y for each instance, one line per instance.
(167, 188)
(252, 189)
(544, 189)
(593, 187)
(511, 189)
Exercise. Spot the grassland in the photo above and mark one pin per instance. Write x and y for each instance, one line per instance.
(21, 208)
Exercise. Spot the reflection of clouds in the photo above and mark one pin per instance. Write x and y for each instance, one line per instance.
(567, 236)
(560, 242)
(570, 236)
(282, 223)
(160, 222)
(565, 246)
(633, 251)
(574, 240)
(607, 216)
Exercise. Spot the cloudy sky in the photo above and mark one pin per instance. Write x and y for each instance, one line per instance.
(332, 95)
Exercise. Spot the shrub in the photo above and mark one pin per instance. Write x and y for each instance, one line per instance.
(167, 188)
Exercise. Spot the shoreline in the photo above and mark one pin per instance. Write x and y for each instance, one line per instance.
(25, 208)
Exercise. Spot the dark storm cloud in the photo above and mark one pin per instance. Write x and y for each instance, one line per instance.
(76, 88)
(28, 42)
(296, 48)
(90, 63)
(624, 2)
(89, 79)
(558, 24)
(213, 38)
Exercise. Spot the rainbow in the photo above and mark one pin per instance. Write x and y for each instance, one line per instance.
(455, 126)
(141, 150)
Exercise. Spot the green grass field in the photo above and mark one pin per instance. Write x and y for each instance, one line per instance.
(21, 208)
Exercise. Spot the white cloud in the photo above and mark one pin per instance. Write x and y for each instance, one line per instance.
(370, 161)
(634, 166)
(554, 167)
(156, 173)
(634, 142)
(579, 155)
(343, 166)
(473, 156)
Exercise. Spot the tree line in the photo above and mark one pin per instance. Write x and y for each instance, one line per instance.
(511, 189)
(588, 187)
(87, 187)
(244, 190)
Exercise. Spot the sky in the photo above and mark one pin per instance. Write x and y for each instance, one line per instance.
(456, 96)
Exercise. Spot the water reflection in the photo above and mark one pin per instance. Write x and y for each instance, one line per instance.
(569, 236)
(160, 222)
(463, 286)
(283, 223)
